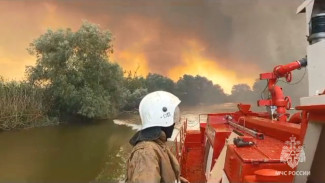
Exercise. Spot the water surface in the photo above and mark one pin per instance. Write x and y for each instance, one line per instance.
(66, 153)
(77, 152)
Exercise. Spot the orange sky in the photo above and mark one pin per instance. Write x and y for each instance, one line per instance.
(166, 37)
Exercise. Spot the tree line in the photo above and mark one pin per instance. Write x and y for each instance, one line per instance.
(73, 76)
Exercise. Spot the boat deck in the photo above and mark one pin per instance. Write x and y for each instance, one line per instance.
(192, 166)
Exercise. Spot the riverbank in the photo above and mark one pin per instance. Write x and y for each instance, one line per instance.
(43, 120)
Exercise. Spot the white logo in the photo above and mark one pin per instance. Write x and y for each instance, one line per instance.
(293, 153)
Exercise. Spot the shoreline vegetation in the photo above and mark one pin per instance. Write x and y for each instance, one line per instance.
(21, 106)
(74, 76)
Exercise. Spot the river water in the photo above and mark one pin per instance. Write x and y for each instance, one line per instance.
(64, 153)
(75, 152)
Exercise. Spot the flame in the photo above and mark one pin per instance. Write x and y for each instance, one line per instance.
(194, 63)
(130, 50)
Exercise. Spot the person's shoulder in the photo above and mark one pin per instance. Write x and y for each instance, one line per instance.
(148, 146)
(145, 149)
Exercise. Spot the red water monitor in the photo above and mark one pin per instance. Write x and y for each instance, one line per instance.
(278, 99)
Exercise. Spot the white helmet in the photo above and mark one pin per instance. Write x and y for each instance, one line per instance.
(157, 109)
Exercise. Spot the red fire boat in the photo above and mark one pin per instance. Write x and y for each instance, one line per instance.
(247, 146)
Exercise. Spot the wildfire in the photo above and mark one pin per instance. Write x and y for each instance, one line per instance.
(136, 49)
(192, 62)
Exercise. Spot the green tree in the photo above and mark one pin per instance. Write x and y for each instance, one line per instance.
(133, 82)
(74, 69)
(133, 99)
(136, 90)
(155, 82)
(242, 93)
(260, 90)
(195, 90)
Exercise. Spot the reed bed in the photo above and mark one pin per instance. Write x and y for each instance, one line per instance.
(21, 105)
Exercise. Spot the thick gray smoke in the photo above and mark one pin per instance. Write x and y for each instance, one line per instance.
(252, 35)
(243, 36)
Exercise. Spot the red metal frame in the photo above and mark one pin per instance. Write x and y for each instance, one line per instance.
(179, 145)
(192, 166)
(315, 112)
(243, 164)
(258, 162)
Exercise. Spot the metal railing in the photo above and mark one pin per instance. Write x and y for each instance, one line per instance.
(178, 143)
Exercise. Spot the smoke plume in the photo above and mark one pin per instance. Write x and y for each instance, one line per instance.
(229, 42)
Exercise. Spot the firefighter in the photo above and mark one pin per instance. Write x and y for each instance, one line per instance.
(150, 160)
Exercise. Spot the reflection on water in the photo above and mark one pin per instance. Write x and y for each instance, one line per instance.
(65, 153)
